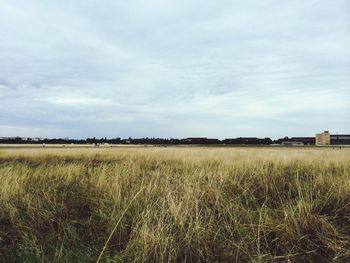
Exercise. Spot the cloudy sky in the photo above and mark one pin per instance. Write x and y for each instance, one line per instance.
(162, 68)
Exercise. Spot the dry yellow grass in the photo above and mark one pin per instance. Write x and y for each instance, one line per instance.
(175, 204)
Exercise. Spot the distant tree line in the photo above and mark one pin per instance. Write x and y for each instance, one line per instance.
(159, 141)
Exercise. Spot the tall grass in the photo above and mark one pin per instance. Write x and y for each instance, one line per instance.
(175, 205)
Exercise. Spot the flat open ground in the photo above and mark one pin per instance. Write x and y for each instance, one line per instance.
(152, 204)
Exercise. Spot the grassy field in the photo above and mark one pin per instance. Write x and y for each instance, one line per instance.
(175, 205)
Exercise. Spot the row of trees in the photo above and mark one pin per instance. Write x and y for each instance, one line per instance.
(160, 141)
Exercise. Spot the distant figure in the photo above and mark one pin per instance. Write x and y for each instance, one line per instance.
(43, 145)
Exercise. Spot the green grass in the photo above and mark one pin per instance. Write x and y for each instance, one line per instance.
(175, 205)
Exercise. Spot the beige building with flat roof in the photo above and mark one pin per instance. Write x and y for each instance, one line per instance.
(323, 138)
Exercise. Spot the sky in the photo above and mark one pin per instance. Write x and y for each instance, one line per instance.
(184, 68)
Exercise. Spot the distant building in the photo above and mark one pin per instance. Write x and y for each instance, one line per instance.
(340, 139)
(292, 143)
(323, 138)
(304, 140)
(296, 141)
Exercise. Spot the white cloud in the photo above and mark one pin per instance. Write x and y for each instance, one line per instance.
(76, 101)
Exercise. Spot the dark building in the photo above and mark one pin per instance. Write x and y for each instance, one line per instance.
(340, 139)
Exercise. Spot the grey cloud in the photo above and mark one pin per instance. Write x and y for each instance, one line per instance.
(165, 68)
